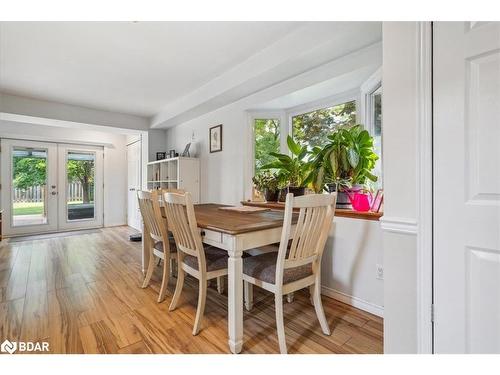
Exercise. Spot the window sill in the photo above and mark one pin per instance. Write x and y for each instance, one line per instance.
(374, 216)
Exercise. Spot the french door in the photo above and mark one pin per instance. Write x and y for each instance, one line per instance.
(47, 187)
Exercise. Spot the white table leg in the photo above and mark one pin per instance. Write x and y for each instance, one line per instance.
(235, 296)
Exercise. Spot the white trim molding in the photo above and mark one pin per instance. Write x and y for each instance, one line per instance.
(425, 190)
(399, 225)
(353, 301)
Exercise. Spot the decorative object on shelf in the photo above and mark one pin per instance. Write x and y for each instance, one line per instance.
(294, 169)
(171, 154)
(185, 153)
(377, 201)
(215, 138)
(267, 183)
(193, 150)
(344, 163)
(161, 155)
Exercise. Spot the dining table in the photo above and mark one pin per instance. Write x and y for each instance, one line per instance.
(235, 232)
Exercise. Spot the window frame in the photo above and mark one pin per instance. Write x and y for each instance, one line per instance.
(250, 160)
(285, 116)
(372, 86)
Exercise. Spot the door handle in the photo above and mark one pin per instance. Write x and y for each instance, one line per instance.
(54, 193)
(131, 189)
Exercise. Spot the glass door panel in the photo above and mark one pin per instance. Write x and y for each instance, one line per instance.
(29, 186)
(80, 192)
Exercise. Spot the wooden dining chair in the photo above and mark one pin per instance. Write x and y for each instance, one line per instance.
(162, 246)
(297, 264)
(192, 257)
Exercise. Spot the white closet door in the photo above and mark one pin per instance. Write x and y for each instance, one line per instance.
(134, 184)
(467, 187)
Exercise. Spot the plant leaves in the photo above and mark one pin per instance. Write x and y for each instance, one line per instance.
(292, 146)
(353, 157)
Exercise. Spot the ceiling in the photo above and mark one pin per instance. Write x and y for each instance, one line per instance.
(127, 67)
(170, 72)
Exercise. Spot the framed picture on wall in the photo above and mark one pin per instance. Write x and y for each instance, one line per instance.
(215, 138)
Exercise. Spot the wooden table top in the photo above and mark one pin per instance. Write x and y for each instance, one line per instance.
(210, 217)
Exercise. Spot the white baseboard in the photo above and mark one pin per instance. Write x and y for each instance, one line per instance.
(115, 224)
(353, 301)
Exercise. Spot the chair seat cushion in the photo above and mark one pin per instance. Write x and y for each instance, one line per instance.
(263, 267)
(215, 258)
(159, 245)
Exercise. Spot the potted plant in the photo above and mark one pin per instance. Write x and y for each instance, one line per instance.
(292, 170)
(267, 183)
(345, 163)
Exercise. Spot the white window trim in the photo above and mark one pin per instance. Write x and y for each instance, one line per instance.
(368, 88)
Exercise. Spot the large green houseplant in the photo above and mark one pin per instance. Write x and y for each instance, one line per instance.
(293, 170)
(346, 161)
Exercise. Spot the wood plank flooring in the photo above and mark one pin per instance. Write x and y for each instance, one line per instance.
(81, 294)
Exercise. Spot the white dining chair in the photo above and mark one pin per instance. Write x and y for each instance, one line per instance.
(162, 245)
(297, 264)
(192, 257)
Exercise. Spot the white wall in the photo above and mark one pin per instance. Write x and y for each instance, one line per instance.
(348, 270)
(156, 143)
(400, 184)
(115, 163)
(353, 250)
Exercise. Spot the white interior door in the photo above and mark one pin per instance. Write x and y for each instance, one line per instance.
(467, 187)
(29, 186)
(134, 184)
(80, 187)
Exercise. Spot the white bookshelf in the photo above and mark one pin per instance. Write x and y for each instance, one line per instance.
(176, 173)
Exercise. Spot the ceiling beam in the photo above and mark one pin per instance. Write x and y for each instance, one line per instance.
(305, 49)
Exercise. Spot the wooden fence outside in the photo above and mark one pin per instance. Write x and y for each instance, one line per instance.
(35, 193)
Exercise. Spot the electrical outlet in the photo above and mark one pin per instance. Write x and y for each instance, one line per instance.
(379, 272)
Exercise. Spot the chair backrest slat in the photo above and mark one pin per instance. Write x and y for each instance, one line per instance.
(148, 215)
(182, 220)
(316, 212)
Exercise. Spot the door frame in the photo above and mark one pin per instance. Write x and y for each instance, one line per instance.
(425, 329)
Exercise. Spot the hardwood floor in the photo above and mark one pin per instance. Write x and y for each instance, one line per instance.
(81, 294)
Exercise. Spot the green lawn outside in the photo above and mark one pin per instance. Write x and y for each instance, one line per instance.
(28, 208)
(31, 208)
